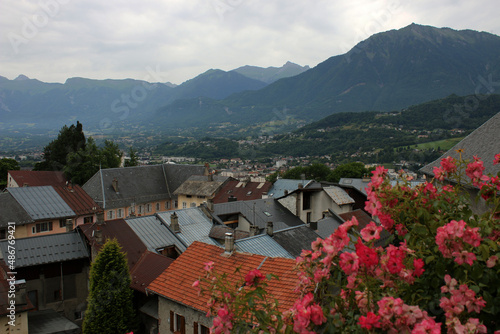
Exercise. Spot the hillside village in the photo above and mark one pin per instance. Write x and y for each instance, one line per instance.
(169, 218)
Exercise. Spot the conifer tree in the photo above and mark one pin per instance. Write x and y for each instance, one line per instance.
(110, 309)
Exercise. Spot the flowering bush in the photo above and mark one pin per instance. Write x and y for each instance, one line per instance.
(438, 273)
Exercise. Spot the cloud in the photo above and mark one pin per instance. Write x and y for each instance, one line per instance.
(55, 39)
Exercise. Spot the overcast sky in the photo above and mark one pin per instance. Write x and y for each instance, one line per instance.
(175, 40)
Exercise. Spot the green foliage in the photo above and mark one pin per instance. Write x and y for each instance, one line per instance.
(110, 309)
(133, 161)
(70, 140)
(84, 163)
(351, 169)
(318, 172)
(6, 165)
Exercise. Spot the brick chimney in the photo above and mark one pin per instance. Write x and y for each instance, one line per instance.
(100, 218)
(229, 243)
(174, 223)
(98, 235)
(269, 229)
(254, 230)
(69, 225)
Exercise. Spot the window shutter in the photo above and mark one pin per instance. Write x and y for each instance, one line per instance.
(195, 328)
(171, 321)
(183, 325)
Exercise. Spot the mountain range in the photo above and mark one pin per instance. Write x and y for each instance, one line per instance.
(388, 71)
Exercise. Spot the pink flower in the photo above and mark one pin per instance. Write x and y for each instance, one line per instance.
(371, 231)
(449, 164)
(427, 326)
(367, 256)
(496, 160)
(370, 321)
(209, 266)
(439, 173)
(317, 316)
(349, 263)
(464, 257)
(475, 170)
(254, 276)
(492, 261)
(418, 267)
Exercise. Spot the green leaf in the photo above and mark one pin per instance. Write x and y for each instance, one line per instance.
(429, 259)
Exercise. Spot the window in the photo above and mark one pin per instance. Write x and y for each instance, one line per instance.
(149, 207)
(79, 315)
(167, 205)
(308, 217)
(111, 214)
(87, 220)
(140, 210)
(62, 223)
(306, 201)
(3, 233)
(176, 204)
(189, 196)
(184, 205)
(119, 213)
(42, 227)
(201, 197)
(177, 323)
(157, 206)
(200, 329)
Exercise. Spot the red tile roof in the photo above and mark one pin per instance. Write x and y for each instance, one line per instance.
(77, 199)
(147, 269)
(131, 244)
(242, 191)
(38, 178)
(175, 283)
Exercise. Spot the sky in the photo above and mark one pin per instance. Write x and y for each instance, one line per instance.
(175, 40)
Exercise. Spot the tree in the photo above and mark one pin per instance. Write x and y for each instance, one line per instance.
(351, 169)
(134, 160)
(110, 309)
(7, 164)
(70, 140)
(84, 163)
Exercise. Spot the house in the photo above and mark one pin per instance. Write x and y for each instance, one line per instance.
(138, 191)
(255, 216)
(181, 310)
(310, 203)
(484, 142)
(236, 190)
(25, 178)
(198, 189)
(39, 210)
(55, 269)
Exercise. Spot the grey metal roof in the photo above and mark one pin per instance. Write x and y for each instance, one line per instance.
(483, 142)
(154, 234)
(262, 245)
(328, 225)
(47, 249)
(194, 225)
(140, 184)
(50, 322)
(295, 239)
(359, 184)
(259, 212)
(199, 185)
(42, 202)
(338, 195)
(12, 211)
(279, 187)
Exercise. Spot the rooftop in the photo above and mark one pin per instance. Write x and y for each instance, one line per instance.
(281, 185)
(147, 269)
(242, 191)
(38, 178)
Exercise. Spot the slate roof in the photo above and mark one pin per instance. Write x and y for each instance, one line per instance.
(77, 199)
(12, 211)
(359, 184)
(141, 184)
(328, 225)
(295, 239)
(483, 142)
(262, 244)
(147, 269)
(50, 322)
(118, 229)
(266, 210)
(42, 202)
(47, 249)
(242, 191)
(38, 178)
(175, 283)
(338, 195)
(199, 185)
(279, 187)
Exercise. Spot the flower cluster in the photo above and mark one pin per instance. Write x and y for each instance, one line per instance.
(452, 239)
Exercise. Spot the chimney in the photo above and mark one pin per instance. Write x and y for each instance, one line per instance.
(174, 223)
(254, 230)
(207, 169)
(69, 225)
(100, 218)
(313, 226)
(301, 186)
(20, 295)
(269, 228)
(98, 235)
(229, 243)
(286, 192)
(210, 177)
(114, 183)
(210, 205)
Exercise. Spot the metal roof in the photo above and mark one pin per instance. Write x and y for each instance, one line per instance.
(295, 239)
(12, 211)
(42, 202)
(338, 195)
(47, 249)
(359, 184)
(279, 187)
(154, 234)
(262, 245)
(50, 322)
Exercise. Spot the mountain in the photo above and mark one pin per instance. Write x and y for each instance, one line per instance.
(104, 104)
(271, 74)
(388, 71)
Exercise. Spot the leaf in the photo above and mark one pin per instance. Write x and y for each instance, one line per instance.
(429, 259)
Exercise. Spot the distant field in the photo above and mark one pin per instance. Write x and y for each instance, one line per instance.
(444, 144)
